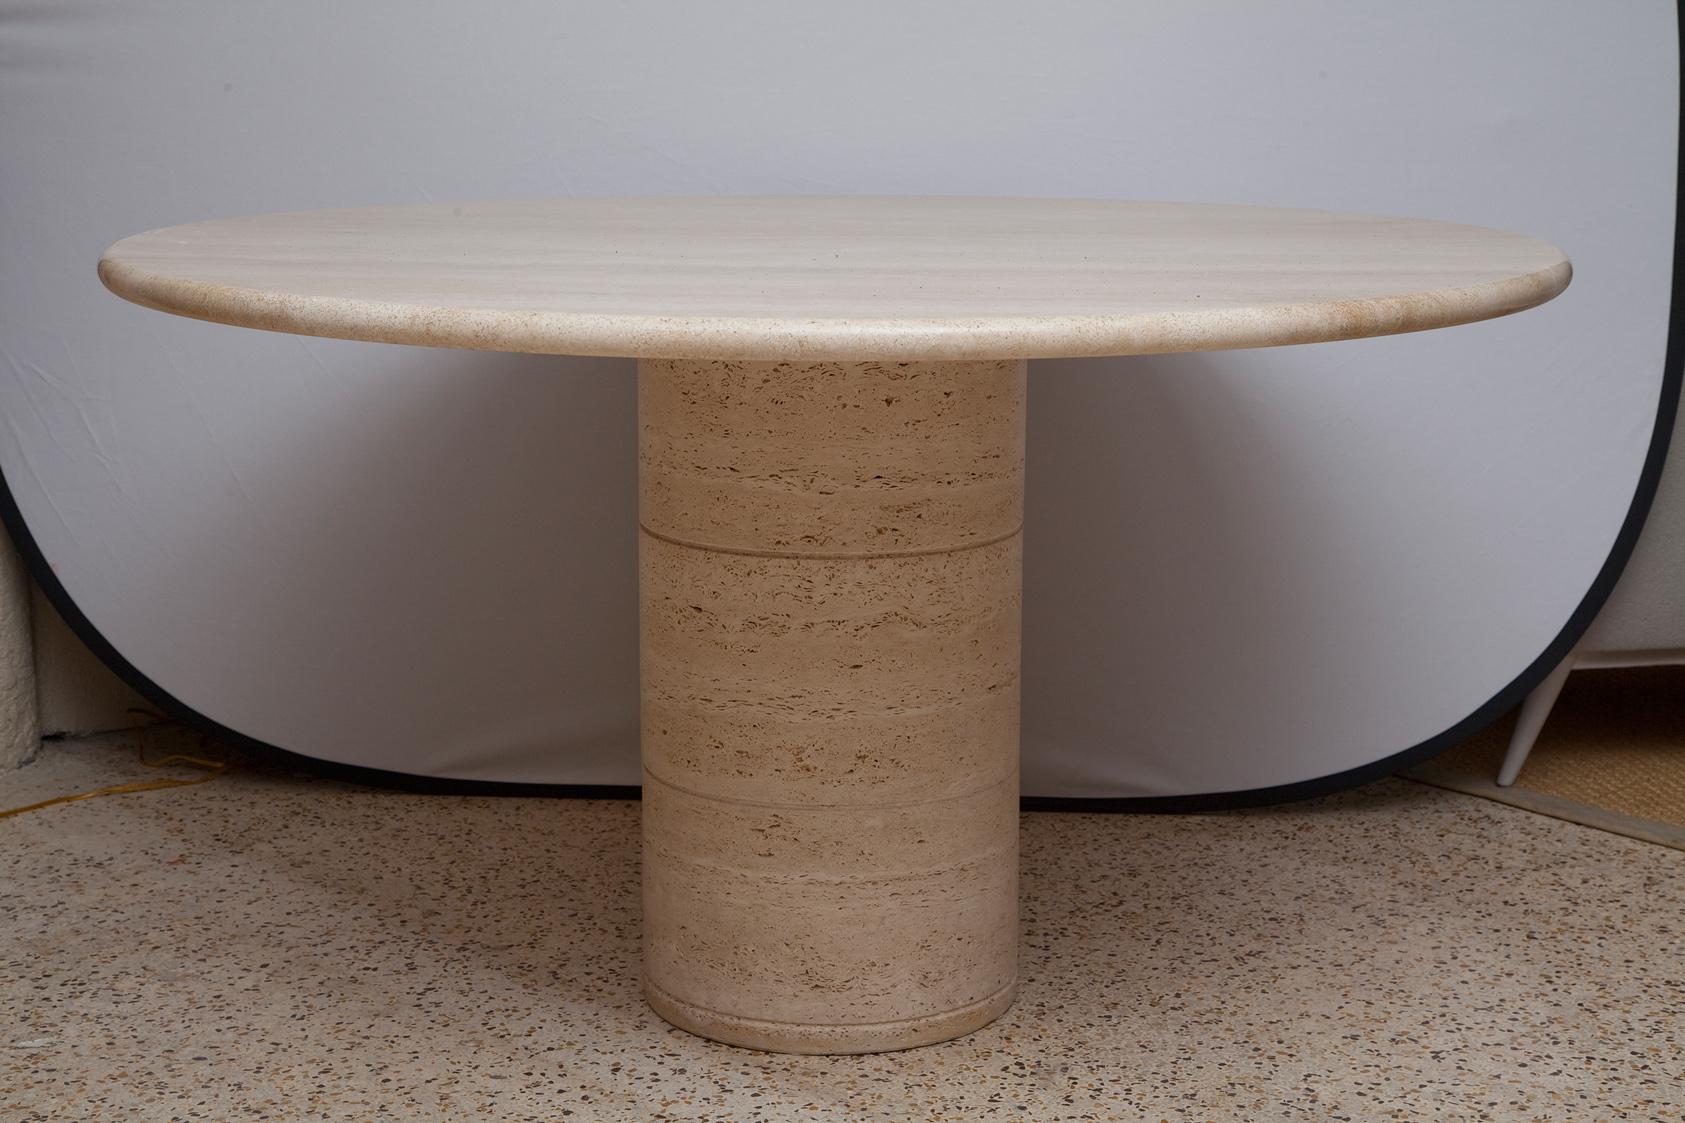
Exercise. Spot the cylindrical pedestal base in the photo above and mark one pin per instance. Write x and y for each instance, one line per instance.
(830, 570)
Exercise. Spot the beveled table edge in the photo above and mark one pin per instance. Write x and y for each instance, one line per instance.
(637, 335)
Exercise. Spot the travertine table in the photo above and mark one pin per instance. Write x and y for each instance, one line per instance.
(831, 467)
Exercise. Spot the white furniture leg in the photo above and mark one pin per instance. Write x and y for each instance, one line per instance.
(1534, 711)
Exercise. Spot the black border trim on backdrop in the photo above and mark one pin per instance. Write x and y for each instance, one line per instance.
(1649, 478)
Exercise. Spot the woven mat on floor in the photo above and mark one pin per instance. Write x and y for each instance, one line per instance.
(1611, 756)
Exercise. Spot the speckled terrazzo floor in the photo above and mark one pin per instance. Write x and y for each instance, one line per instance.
(269, 946)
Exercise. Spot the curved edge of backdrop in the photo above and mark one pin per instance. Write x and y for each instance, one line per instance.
(1649, 477)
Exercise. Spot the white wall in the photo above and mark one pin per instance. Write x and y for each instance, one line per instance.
(75, 692)
(1646, 610)
(1308, 559)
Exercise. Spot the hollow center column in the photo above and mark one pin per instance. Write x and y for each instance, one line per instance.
(830, 578)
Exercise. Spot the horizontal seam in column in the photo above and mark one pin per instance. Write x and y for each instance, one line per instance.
(743, 1019)
(735, 709)
(827, 556)
(825, 806)
(979, 857)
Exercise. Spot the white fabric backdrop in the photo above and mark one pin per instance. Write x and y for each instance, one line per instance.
(1308, 559)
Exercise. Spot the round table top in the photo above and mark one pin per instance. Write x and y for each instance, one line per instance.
(834, 278)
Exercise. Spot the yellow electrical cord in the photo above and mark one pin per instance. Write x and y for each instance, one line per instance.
(213, 768)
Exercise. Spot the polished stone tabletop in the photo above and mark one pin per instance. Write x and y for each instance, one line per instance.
(835, 278)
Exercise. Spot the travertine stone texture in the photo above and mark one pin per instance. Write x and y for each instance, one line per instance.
(846, 278)
(830, 575)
